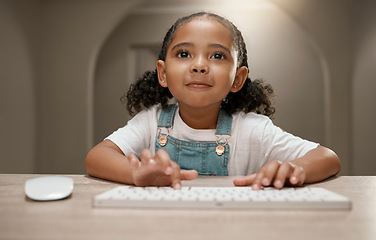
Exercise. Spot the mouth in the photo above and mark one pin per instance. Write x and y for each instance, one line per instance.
(198, 84)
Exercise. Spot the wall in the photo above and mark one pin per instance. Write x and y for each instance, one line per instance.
(363, 88)
(72, 34)
(48, 81)
(328, 24)
(19, 24)
(48, 65)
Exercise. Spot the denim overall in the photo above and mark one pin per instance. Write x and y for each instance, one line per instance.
(206, 157)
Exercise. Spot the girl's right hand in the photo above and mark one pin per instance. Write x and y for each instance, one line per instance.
(159, 170)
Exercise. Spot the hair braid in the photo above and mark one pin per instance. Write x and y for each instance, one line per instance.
(146, 92)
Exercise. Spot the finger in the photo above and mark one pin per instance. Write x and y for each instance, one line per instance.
(175, 176)
(188, 174)
(152, 163)
(284, 172)
(133, 162)
(266, 174)
(260, 175)
(146, 155)
(256, 184)
(297, 178)
(244, 181)
(134, 166)
(270, 171)
(162, 157)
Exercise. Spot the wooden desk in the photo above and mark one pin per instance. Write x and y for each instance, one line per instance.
(75, 218)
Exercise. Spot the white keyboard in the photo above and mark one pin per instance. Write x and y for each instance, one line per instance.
(221, 197)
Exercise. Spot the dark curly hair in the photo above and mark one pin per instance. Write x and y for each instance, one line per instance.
(254, 96)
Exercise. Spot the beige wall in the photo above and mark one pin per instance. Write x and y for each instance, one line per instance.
(55, 86)
(18, 63)
(57, 55)
(363, 88)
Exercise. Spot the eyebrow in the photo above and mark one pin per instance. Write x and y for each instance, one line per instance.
(183, 44)
(215, 45)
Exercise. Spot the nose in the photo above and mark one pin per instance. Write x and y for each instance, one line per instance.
(199, 66)
(199, 70)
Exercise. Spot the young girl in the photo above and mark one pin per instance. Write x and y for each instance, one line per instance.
(219, 125)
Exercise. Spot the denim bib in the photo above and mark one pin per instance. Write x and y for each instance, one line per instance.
(206, 157)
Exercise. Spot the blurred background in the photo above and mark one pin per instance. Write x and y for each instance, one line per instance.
(64, 64)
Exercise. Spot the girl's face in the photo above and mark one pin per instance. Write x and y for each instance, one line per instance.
(200, 68)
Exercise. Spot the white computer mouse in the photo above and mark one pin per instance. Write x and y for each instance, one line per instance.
(48, 188)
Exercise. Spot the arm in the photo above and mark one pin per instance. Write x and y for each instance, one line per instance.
(319, 164)
(316, 165)
(107, 161)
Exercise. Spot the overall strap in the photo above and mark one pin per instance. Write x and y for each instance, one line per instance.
(224, 123)
(167, 116)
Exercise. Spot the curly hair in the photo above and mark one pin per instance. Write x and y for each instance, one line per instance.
(255, 96)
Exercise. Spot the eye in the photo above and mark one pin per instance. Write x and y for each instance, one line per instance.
(219, 56)
(182, 54)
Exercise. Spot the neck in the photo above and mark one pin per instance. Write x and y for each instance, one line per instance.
(199, 118)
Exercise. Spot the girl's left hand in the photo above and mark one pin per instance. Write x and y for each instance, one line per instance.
(274, 173)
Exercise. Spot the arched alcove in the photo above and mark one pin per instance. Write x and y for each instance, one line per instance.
(279, 51)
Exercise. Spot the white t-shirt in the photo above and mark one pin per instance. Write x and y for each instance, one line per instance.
(254, 140)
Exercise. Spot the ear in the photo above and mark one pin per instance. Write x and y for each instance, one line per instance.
(240, 77)
(161, 69)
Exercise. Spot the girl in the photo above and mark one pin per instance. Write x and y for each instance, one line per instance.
(219, 126)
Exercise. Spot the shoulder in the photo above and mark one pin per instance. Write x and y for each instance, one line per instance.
(138, 133)
(250, 126)
(261, 127)
(251, 119)
(147, 114)
(143, 121)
